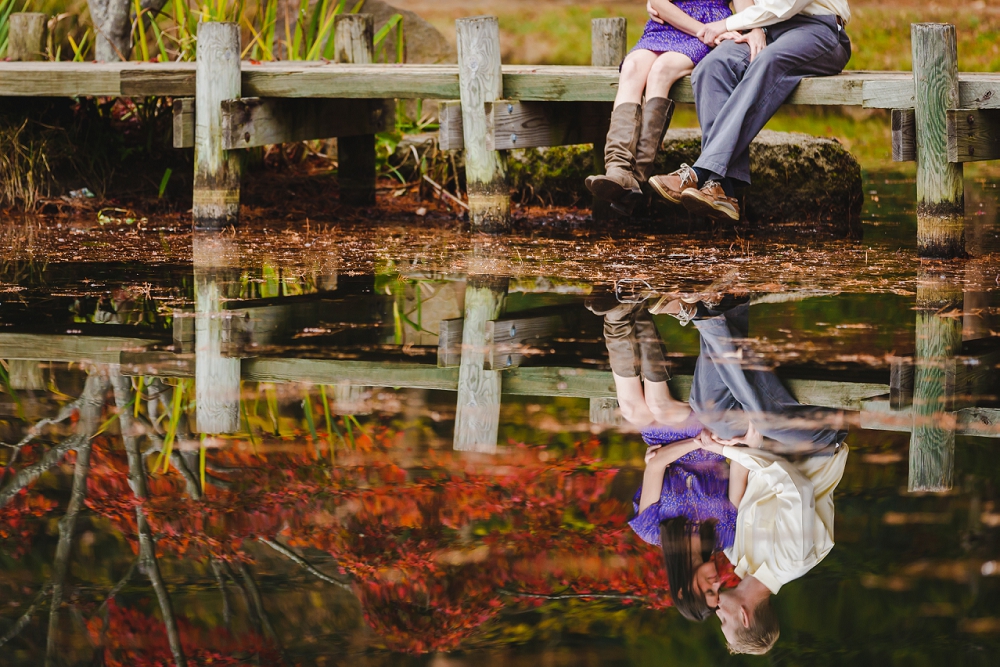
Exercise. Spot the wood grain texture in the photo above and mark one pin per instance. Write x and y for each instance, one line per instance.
(901, 382)
(158, 79)
(27, 35)
(450, 343)
(25, 375)
(360, 373)
(878, 415)
(477, 416)
(940, 186)
(605, 412)
(939, 340)
(95, 349)
(904, 135)
(531, 124)
(512, 339)
(217, 376)
(253, 121)
(608, 41)
(184, 122)
(351, 81)
(481, 85)
(973, 135)
(356, 163)
(216, 201)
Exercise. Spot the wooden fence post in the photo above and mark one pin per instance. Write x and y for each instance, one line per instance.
(217, 377)
(940, 188)
(939, 339)
(477, 418)
(27, 36)
(608, 46)
(216, 171)
(481, 84)
(354, 36)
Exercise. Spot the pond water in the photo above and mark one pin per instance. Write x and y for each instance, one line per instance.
(395, 444)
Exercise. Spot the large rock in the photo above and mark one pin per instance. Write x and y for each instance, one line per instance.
(422, 42)
(798, 179)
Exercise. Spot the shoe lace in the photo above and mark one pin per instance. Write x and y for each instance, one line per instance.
(711, 184)
(687, 173)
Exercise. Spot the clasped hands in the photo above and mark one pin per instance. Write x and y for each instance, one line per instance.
(666, 454)
(715, 33)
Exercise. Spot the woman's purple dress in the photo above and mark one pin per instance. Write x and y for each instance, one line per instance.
(696, 486)
(660, 38)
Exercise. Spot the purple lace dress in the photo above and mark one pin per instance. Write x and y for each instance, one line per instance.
(660, 38)
(695, 486)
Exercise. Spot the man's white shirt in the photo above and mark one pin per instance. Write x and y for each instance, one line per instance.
(768, 12)
(784, 526)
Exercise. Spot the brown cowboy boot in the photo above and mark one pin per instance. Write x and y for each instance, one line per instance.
(619, 156)
(656, 116)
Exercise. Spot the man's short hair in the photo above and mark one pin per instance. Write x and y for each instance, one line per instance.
(761, 636)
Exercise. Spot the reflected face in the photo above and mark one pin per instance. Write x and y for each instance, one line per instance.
(730, 614)
(706, 583)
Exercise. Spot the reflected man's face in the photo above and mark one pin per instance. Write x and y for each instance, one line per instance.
(731, 615)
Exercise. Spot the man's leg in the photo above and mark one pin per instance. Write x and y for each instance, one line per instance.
(765, 400)
(802, 46)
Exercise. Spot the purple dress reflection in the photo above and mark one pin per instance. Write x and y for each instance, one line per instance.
(695, 486)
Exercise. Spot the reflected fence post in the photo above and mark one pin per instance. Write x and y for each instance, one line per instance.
(477, 417)
(217, 377)
(939, 340)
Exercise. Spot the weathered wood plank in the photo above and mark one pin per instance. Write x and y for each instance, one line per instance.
(216, 200)
(26, 36)
(973, 135)
(477, 415)
(96, 349)
(938, 342)
(351, 81)
(940, 185)
(356, 159)
(184, 122)
(450, 343)
(509, 338)
(904, 135)
(158, 79)
(901, 381)
(44, 79)
(359, 373)
(253, 121)
(605, 412)
(480, 87)
(531, 124)
(878, 415)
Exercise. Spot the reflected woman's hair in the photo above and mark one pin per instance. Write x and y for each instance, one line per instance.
(675, 538)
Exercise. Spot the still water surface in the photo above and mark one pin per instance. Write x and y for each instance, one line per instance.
(327, 445)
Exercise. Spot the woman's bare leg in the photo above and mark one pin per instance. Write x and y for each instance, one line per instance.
(667, 69)
(664, 407)
(632, 402)
(635, 72)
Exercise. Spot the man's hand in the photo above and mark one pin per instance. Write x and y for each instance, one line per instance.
(731, 35)
(708, 442)
(755, 39)
(711, 31)
(653, 14)
(753, 438)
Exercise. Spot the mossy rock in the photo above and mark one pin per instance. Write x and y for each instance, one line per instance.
(798, 180)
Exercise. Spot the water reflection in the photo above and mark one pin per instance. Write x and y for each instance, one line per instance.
(308, 462)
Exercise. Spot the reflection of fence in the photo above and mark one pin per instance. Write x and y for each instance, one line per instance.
(941, 118)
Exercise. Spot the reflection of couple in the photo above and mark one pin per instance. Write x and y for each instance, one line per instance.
(760, 55)
(773, 517)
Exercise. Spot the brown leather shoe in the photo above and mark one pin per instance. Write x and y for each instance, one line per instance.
(711, 201)
(671, 186)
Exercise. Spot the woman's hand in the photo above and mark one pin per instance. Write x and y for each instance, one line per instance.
(653, 14)
(752, 438)
(661, 456)
(711, 31)
(708, 442)
(651, 453)
(756, 39)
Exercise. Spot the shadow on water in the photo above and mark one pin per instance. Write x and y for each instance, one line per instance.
(326, 445)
